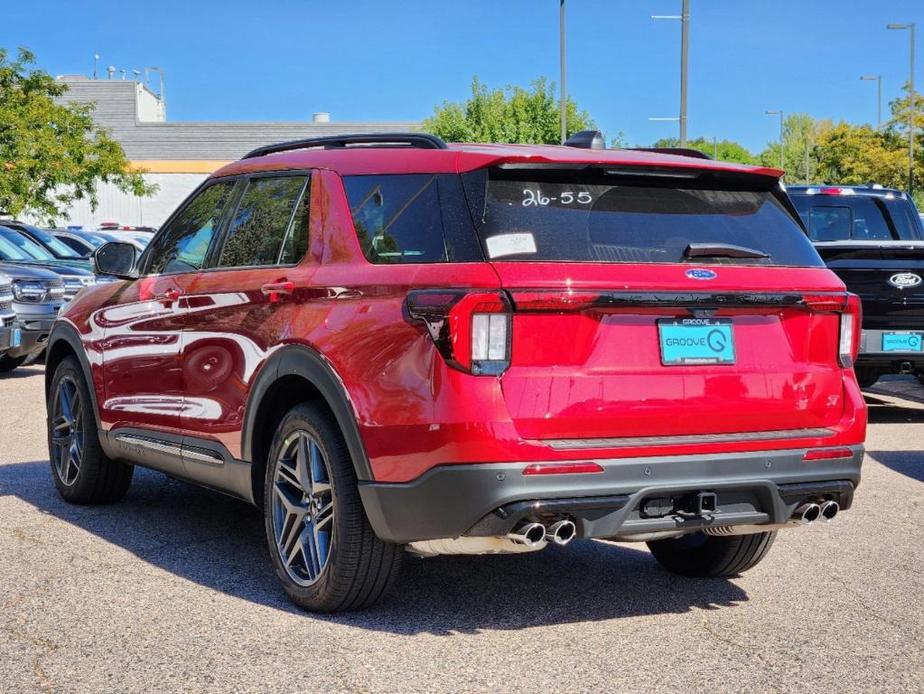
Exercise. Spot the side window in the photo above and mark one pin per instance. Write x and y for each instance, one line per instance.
(270, 225)
(183, 245)
(397, 217)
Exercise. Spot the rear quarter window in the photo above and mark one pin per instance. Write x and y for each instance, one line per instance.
(411, 218)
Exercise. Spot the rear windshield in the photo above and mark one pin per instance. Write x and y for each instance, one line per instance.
(857, 218)
(530, 215)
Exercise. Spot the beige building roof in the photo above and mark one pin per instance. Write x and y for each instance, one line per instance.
(135, 117)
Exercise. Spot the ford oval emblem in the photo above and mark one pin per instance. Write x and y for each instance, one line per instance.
(904, 280)
(702, 274)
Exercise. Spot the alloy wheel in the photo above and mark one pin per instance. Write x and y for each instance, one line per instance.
(302, 508)
(67, 431)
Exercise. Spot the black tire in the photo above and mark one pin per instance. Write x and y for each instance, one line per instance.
(867, 376)
(704, 556)
(360, 567)
(96, 479)
(8, 363)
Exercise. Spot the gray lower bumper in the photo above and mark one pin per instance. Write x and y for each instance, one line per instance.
(751, 488)
(35, 330)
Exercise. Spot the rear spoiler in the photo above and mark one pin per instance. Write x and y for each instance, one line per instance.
(678, 151)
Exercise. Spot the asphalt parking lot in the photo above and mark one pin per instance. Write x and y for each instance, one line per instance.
(172, 589)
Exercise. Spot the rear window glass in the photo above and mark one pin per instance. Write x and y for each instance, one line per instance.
(602, 218)
(857, 218)
(411, 218)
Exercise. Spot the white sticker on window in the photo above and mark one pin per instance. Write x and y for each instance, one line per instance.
(510, 244)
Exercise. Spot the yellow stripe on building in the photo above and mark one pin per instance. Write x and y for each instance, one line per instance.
(190, 166)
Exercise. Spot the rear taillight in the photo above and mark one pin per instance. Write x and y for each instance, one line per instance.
(849, 340)
(470, 329)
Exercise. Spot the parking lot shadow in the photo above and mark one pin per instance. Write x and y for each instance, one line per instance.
(908, 463)
(218, 542)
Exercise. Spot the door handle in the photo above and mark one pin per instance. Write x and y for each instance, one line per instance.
(167, 297)
(275, 290)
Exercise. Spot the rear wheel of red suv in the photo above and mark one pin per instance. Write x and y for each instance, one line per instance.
(323, 549)
(706, 556)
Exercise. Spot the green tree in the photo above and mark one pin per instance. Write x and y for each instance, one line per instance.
(856, 155)
(801, 135)
(727, 150)
(52, 154)
(513, 114)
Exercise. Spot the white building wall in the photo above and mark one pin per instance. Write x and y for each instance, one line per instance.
(124, 208)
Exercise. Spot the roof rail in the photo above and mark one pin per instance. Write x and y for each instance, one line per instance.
(679, 151)
(414, 140)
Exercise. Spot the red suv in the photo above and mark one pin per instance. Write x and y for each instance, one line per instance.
(393, 344)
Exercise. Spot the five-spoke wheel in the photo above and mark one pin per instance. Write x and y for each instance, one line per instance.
(302, 508)
(67, 431)
(82, 472)
(322, 547)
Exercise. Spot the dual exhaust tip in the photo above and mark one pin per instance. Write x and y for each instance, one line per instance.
(809, 513)
(536, 534)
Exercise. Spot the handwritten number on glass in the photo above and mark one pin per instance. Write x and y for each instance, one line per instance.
(536, 198)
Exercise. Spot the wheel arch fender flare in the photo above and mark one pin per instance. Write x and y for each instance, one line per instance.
(302, 361)
(64, 332)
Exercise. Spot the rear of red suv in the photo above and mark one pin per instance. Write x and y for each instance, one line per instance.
(489, 349)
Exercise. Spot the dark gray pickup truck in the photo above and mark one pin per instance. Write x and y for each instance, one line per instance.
(873, 239)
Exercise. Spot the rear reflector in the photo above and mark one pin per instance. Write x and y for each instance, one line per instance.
(827, 454)
(561, 468)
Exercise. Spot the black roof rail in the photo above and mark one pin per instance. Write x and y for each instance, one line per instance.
(414, 140)
(680, 151)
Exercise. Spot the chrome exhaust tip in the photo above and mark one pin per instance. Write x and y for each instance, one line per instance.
(807, 513)
(829, 510)
(529, 534)
(562, 532)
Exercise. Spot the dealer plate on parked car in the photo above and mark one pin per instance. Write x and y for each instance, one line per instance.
(696, 341)
(901, 342)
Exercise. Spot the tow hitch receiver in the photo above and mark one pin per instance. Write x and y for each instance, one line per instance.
(693, 504)
(697, 504)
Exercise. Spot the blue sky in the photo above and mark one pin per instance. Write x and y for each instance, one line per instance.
(364, 60)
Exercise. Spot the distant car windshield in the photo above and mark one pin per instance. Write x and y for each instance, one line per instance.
(25, 245)
(9, 250)
(857, 218)
(57, 247)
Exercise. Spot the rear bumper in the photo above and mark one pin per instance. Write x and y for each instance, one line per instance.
(490, 499)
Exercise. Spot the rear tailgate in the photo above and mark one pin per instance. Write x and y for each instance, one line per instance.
(587, 361)
(887, 277)
(602, 297)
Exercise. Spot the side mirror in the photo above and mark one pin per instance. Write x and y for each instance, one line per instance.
(116, 258)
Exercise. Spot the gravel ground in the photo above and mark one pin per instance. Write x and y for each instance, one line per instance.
(172, 590)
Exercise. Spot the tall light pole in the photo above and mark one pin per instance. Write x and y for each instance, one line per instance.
(780, 114)
(911, 103)
(878, 80)
(564, 89)
(684, 18)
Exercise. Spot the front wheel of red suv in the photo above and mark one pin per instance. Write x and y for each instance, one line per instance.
(705, 556)
(323, 549)
(81, 471)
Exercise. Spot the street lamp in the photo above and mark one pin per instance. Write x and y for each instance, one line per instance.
(684, 18)
(564, 91)
(911, 104)
(780, 114)
(878, 80)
